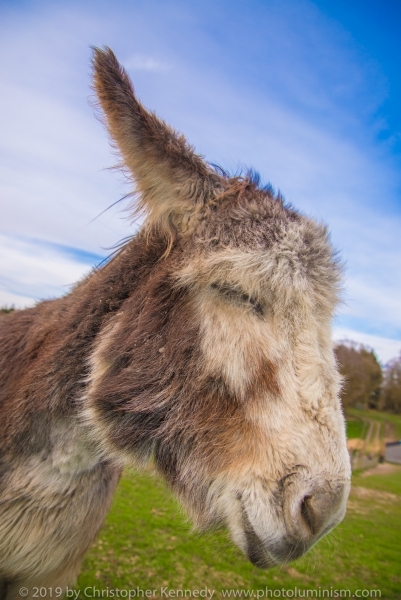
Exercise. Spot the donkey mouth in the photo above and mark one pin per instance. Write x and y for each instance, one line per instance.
(266, 555)
(256, 552)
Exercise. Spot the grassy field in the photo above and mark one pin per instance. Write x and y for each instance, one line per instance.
(368, 431)
(394, 421)
(355, 428)
(147, 544)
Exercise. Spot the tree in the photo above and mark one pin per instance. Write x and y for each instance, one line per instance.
(6, 309)
(391, 394)
(362, 375)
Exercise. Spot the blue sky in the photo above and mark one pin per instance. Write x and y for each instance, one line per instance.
(306, 93)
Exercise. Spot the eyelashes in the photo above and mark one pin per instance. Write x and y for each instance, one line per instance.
(237, 296)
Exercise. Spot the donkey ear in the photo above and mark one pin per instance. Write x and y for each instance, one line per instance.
(172, 181)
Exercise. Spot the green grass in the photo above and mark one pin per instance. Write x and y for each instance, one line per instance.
(376, 415)
(355, 428)
(391, 482)
(147, 543)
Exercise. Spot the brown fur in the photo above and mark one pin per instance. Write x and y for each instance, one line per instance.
(203, 344)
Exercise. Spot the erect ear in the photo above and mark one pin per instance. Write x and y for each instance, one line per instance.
(171, 180)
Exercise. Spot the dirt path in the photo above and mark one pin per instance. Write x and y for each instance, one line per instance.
(382, 469)
(367, 452)
(375, 444)
(368, 435)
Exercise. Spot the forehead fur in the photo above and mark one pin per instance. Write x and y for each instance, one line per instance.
(252, 240)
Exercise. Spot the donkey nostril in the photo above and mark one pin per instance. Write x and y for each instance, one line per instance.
(316, 510)
(307, 513)
(308, 516)
(320, 511)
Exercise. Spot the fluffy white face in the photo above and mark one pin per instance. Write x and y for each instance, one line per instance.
(265, 331)
(229, 380)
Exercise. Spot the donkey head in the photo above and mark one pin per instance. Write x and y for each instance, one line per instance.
(220, 364)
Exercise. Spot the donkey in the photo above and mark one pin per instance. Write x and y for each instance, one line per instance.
(203, 345)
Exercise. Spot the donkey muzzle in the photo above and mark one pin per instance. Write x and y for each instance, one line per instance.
(306, 516)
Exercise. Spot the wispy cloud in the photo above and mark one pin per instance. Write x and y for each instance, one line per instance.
(140, 62)
(32, 270)
(385, 348)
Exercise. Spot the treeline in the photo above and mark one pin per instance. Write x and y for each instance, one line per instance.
(366, 383)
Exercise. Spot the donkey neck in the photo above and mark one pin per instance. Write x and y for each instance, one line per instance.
(49, 345)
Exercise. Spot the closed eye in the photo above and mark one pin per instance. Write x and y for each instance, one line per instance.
(237, 296)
